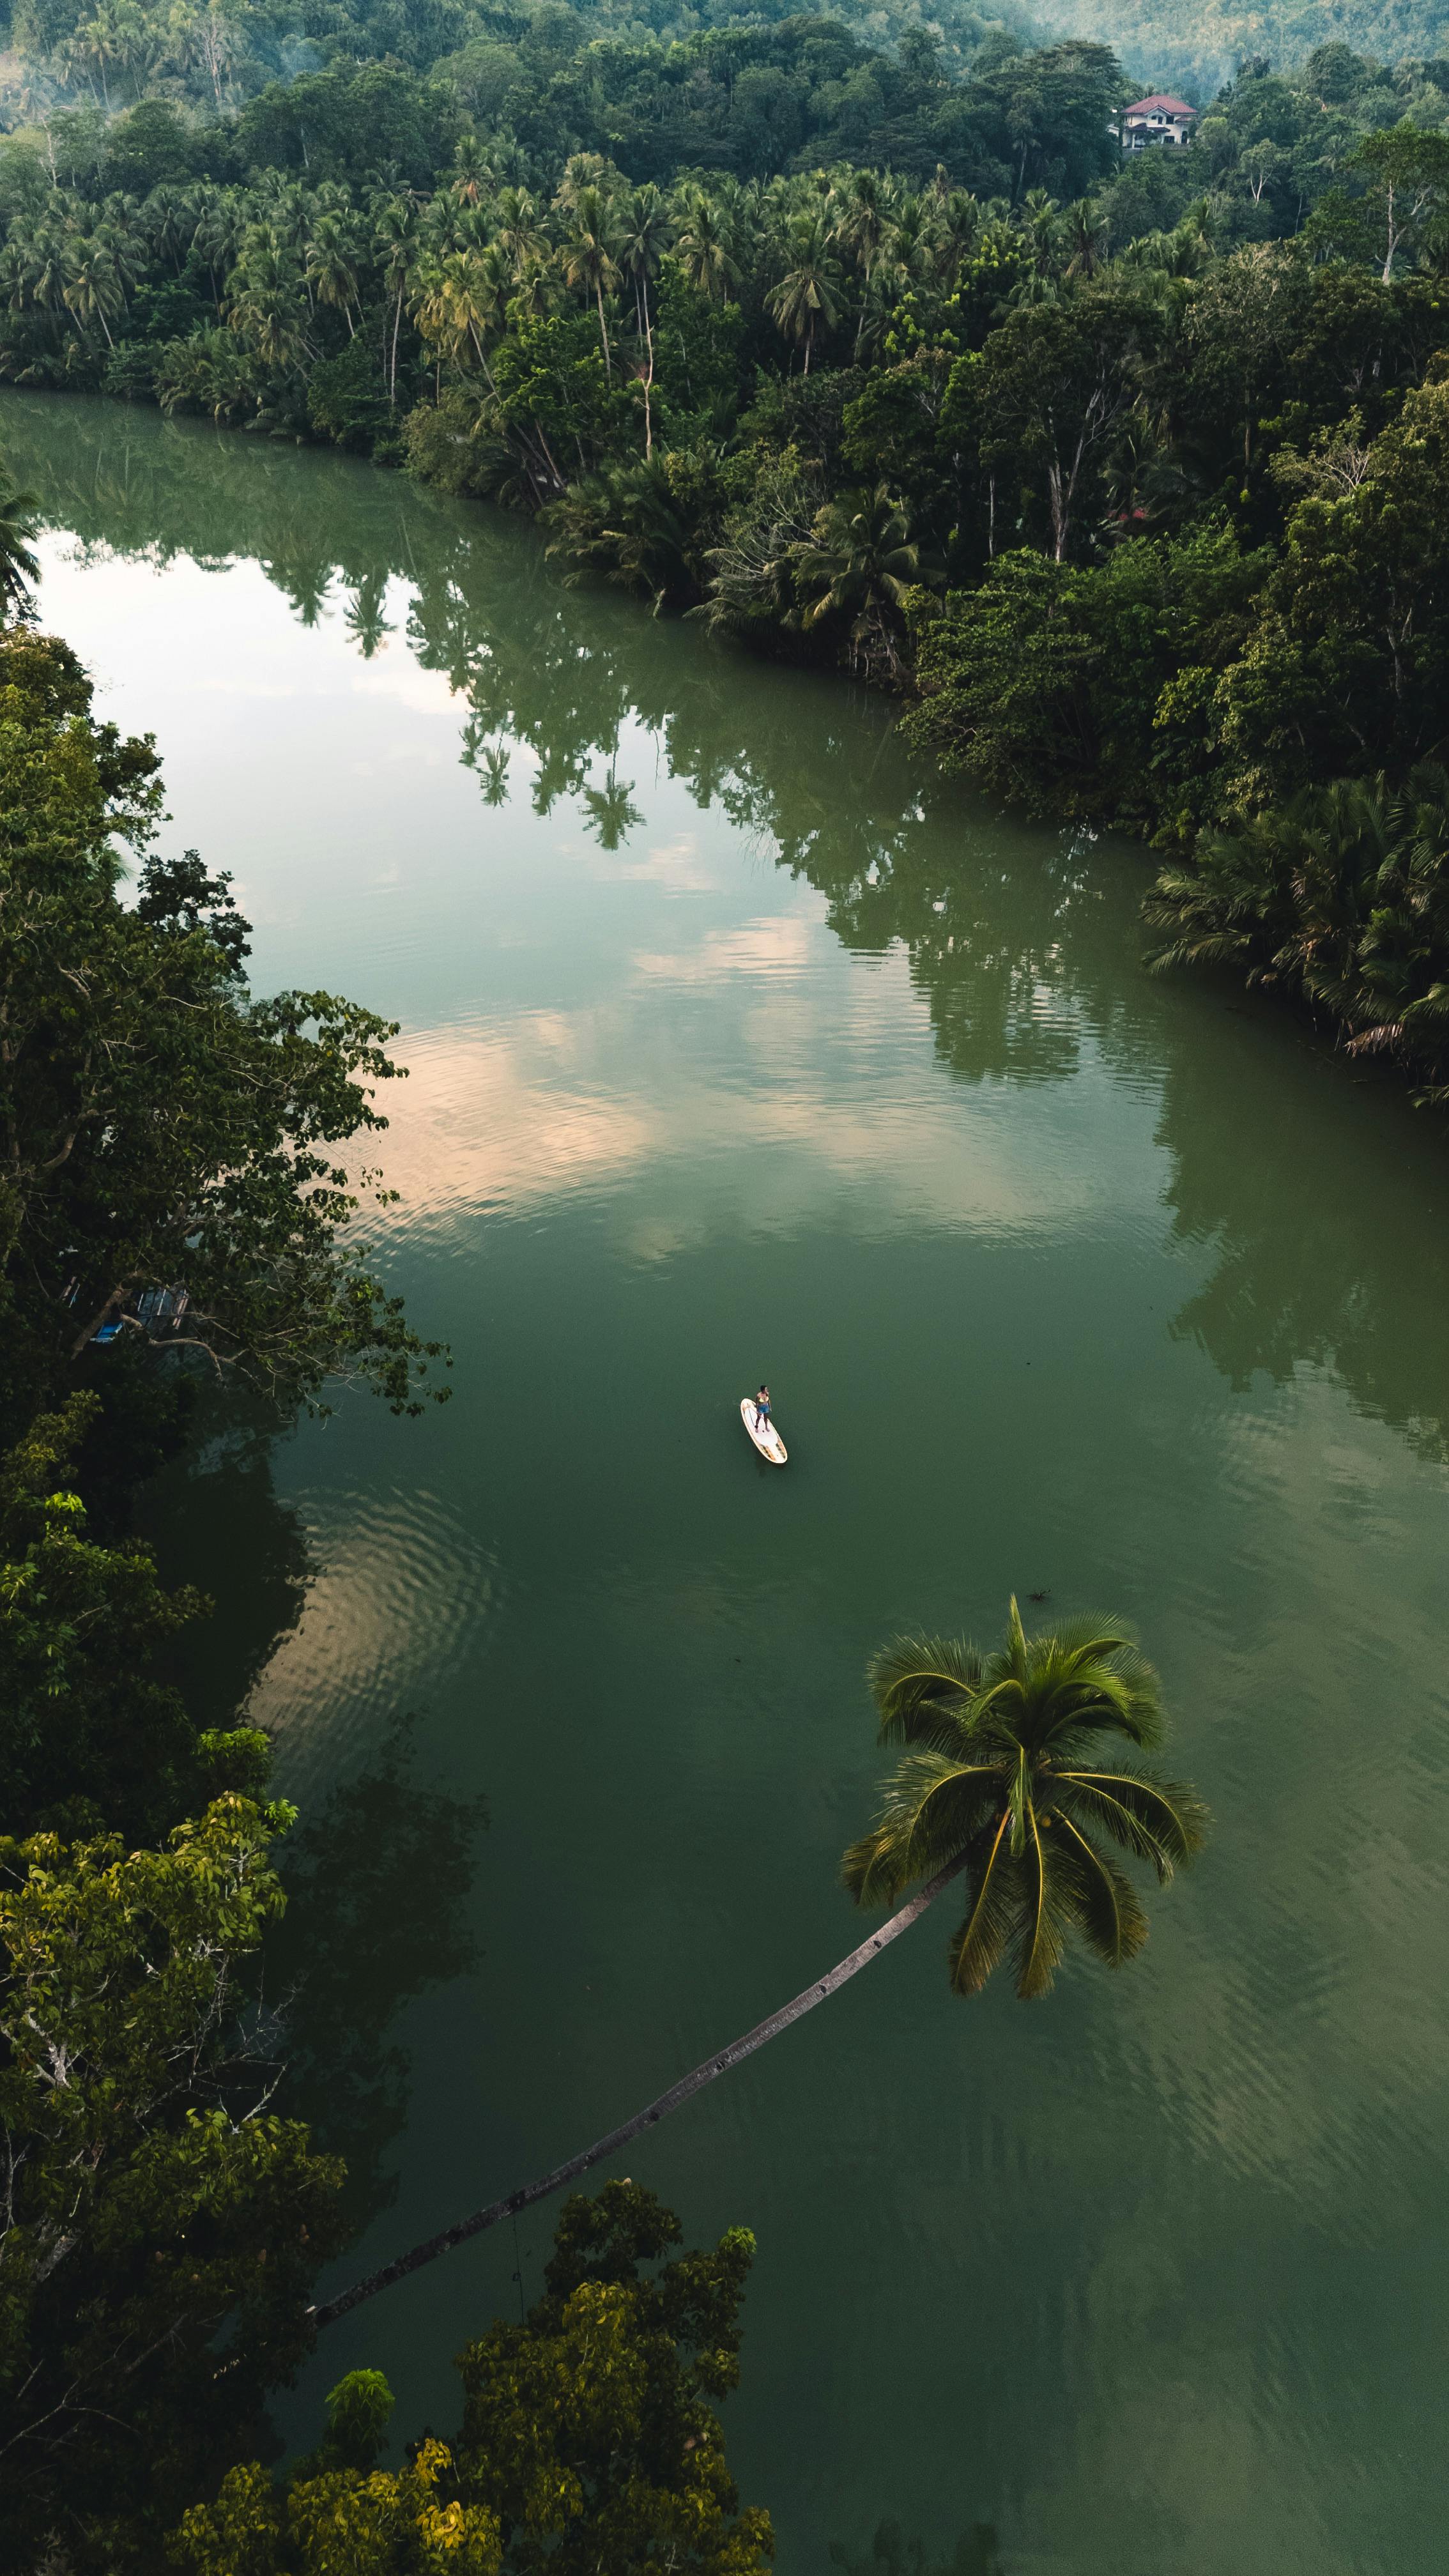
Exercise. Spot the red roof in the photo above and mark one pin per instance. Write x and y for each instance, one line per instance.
(1172, 106)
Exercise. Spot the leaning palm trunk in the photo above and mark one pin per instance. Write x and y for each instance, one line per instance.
(688, 2085)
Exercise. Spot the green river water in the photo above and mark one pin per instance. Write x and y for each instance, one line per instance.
(739, 1046)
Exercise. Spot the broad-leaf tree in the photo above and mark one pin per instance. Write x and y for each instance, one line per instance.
(166, 1136)
(161, 2226)
(589, 2438)
(90, 1737)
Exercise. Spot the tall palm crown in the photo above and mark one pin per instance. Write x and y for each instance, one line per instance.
(1007, 1776)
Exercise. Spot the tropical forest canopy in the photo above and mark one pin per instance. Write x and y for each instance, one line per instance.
(1127, 472)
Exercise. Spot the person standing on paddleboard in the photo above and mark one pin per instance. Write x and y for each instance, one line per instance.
(762, 1409)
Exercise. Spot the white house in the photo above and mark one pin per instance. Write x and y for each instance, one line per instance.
(1156, 120)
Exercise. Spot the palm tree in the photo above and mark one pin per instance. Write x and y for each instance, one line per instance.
(394, 228)
(626, 523)
(332, 265)
(1002, 1780)
(94, 45)
(93, 289)
(809, 292)
(1085, 226)
(365, 616)
(862, 214)
(643, 238)
(1004, 1771)
(266, 308)
(589, 255)
(518, 230)
(860, 561)
(704, 246)
(19, 568)
(220, 224)
(1041, 227)
(430, 307)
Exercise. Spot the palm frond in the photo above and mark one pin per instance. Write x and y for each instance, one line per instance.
(931, 1808)
(1119, 1695)
(1104, 1904)
(1162, 1821)
(980, 1942)
(1042, 1919)
(919, 1683)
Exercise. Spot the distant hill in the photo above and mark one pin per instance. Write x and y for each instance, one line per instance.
(1201, 46)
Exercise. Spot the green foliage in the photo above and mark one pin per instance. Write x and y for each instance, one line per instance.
(170, 1134)
(588, 2439)
(1056, 382)
(1163, 47)
(18, 565)
(1351, 645)
(88, 1738)
(1005, 1771)
(347, 398)
(645, 526)
(1341, 896)
(857, 569)
(164, 2226)
(774, 318)
(1084, 690)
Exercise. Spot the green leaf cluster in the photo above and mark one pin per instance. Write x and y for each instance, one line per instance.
(166, 1132)
(89, 1738)
(162, 2225)
(588, 2435)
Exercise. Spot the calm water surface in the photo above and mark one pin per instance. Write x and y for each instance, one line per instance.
(736, 1047)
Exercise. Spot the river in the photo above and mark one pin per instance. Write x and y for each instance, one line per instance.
(738, 1046)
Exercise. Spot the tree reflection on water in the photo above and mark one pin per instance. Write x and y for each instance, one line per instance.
(891, 2554)
(1024, 943)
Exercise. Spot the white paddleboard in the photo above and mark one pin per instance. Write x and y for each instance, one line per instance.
(768, 1442)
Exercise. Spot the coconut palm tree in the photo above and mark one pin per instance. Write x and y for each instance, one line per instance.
(518, 230)
(643, 240)
(220, 225)
(862, 208)
(266, 307)
(626, 523)
(394, 233)
(590, 254)
(1005, 1780)
(331, 265)
(704, 246)
(94, 290)
(860, 561)
(1005, 1770)
(809, 292)
(1084, 225)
